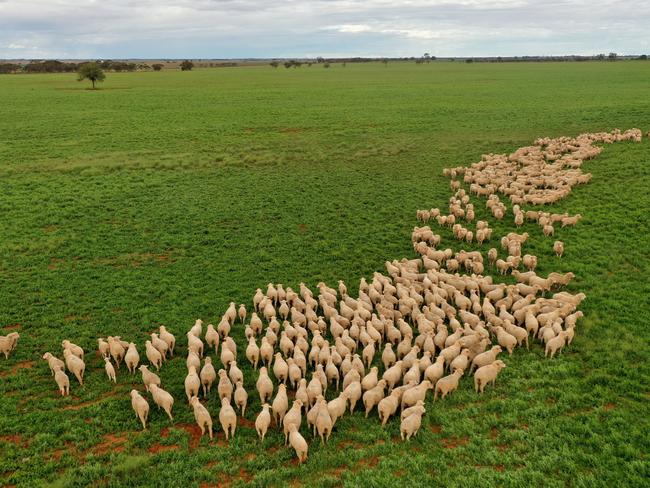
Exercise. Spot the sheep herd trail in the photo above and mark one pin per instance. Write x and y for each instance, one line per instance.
(421, 326)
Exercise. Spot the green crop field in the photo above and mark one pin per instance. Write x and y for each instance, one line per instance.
(161, 197)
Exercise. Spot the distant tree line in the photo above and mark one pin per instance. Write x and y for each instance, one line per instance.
(55, 66)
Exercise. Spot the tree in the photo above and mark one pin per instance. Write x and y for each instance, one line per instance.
(643, 57)
(385, 61)
(187, 65)
(92, 72)
(326, 65)
(157, 67)
(612, 56)
(275, 64)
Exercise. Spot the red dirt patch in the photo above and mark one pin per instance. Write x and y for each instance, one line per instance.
(302, 228)
(370, 462)
(609, 406)
(195, 434)
(249, 424)
(289, 130)
(454, 442)
(56, 455)
(503, 447)
(17, 367)
(49, 228)
(15, 439)
(436, 429)
(156, 448)
(250, 457)
(399, 473)
(111, 442)
(13, 327)
(344, 444)
(494, 433)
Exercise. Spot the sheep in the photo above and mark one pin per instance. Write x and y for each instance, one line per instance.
(485, 358)
(556, 344)
(162, 399)
(62, 380)
(207, 376)
(337, 406)
(131, 358)
(411, 425)
(212, 337)
(224, 388)
(110, 370)
(102, 347)
(487, 374)
(264, 385)
(194, 344)
(153, 355)
(197, 328)
(169, 338)
(558, 248)
(447, 384)
(253, 352)
(53, 362)
(280, 368)
(116, 349)
(140, 407)
(373, 396)
(263, 421)
(235, 373)
(148, 378)
(571, 220)
(192, 384)
(298, 443)
(548, 230)
(193, 360)
(353, 392)
(292, 418)
(241, 397)
(280, 404)
(413, 395)
(202, 416)
(323, 422)
(66, 344)
(75, 365)
(227, 418)
(505, 339)
(160, 345)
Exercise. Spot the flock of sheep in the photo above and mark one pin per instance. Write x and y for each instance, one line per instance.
(420, 327)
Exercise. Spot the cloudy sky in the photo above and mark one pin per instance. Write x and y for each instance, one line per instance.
(297, 28)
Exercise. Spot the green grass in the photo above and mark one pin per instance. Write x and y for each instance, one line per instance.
(163, 196)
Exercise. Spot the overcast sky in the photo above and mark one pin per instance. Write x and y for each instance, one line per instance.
(301, 28)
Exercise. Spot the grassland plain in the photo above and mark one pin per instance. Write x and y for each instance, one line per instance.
(163, 196)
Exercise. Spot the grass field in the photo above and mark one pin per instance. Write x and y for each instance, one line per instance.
(163, 196)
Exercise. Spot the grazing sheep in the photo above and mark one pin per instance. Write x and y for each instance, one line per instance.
(153, 355)
(192, 384)
(263, 421)
(505, 339)
(75, 365)
(131, 358)
(298, 443)
(53, 362)
(202, 416)
(280, 404)
(447, 385)
(207, 376)
(264, 385)
(212, 337)
(323, 422)
(241, 397)
(292, 418)
(66, 344)
(103, 347)
(148, 377)
(556, 344)
(194, 344)
(140, 407)
(162, 399)
(62, 381)
(253, 352)
(160, 345)
(224, 388)
(485, 358)
(116, 349)
(110, 370)
(227, 418)
(558, 248)
(169, 338)
(548, 230)
(487, 374)
(410, 425)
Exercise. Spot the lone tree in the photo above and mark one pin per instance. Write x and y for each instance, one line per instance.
(92, 72)
(187, 65)
(157, 66)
